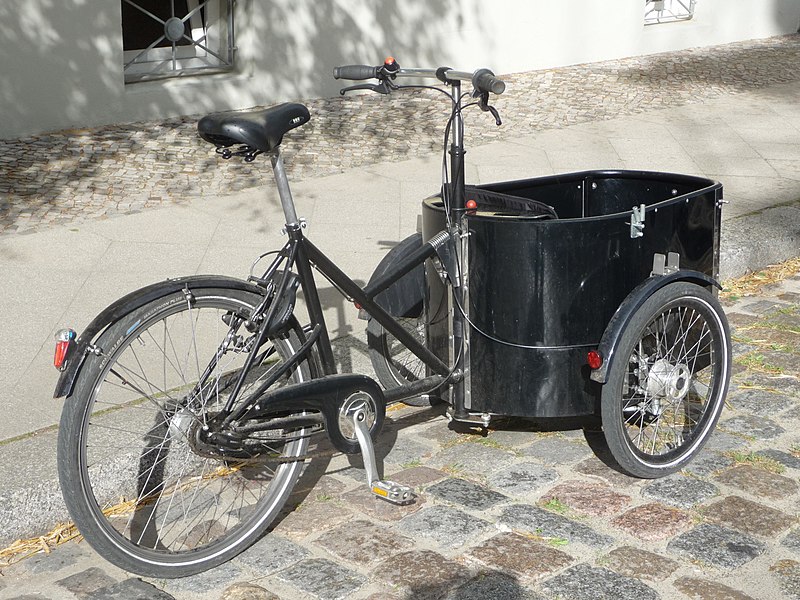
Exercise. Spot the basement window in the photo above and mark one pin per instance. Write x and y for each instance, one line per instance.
(668, 11)
(174, 38)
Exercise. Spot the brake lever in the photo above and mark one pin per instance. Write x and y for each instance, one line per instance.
(380, 88)
(483, 102)
(495, 114)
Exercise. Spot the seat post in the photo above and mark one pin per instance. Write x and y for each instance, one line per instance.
(284, 192)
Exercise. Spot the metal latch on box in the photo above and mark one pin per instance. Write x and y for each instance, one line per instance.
(637, 221)
(664, 265)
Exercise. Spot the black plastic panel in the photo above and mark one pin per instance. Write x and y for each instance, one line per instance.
(553, 285)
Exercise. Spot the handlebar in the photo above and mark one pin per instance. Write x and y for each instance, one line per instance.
(355, 72)
(483, 80)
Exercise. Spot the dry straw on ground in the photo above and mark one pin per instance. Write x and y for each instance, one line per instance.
(752, 283)
(22, 549)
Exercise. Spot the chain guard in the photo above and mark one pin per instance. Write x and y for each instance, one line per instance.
(334, 399)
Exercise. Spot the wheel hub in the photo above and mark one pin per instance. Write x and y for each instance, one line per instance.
(180, 424)
(669, 381)
(208, 441)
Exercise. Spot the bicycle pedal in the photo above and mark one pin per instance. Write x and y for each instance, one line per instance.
(393, 492)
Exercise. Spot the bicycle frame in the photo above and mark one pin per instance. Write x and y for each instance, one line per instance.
(301, 254)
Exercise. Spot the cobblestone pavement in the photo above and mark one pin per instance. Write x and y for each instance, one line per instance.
(526, 514)
(71, 176)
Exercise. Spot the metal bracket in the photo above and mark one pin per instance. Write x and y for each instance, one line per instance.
(480, 420)
(388, 490)
(447, 255)
(664, 265)
(247, 152)
(637, 221)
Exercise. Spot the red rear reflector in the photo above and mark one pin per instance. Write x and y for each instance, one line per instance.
(64, 338)
(595, 359)
(61, 354)
(471, 205)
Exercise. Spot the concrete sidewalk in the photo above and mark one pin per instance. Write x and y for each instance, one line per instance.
(65, 274)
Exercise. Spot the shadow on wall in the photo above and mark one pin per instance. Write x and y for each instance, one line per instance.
(307, 39)
(63, 60)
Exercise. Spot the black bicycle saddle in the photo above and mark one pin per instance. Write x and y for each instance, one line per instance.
(262, 129)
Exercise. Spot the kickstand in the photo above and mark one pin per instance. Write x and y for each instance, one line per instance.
(388, 490)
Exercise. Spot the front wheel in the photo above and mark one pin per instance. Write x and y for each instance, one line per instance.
(147, 485)
(394, 364)
(667, 384)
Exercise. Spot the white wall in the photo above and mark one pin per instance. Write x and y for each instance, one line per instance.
(62, 59)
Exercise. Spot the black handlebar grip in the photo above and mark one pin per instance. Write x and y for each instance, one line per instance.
(355, 72)
(484, 81)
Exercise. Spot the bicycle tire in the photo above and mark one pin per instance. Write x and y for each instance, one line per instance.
(134, 479)
(667, 385)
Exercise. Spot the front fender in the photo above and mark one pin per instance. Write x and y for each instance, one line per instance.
(633, 302)
(130, 302)
(405, 296)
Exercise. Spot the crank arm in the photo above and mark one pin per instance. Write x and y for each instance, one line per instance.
(388, 490)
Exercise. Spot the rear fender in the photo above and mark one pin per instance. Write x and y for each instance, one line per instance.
(634, 301)
(114, 312)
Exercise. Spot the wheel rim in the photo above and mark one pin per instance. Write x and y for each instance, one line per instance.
(675, 374)
(150, 491)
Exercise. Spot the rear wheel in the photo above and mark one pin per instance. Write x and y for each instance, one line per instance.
(147, 485)
(667, 384)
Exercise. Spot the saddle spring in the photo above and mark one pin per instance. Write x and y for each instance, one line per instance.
(248, 152)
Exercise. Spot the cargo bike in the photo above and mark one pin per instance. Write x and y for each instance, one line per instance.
(193, 405)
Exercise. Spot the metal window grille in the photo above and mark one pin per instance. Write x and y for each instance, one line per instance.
(169, 38)
(668, 11)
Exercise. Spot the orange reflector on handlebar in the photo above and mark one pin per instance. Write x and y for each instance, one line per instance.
(471, 205)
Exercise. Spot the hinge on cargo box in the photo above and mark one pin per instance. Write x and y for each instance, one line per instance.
(664, 265)
(637, 221)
